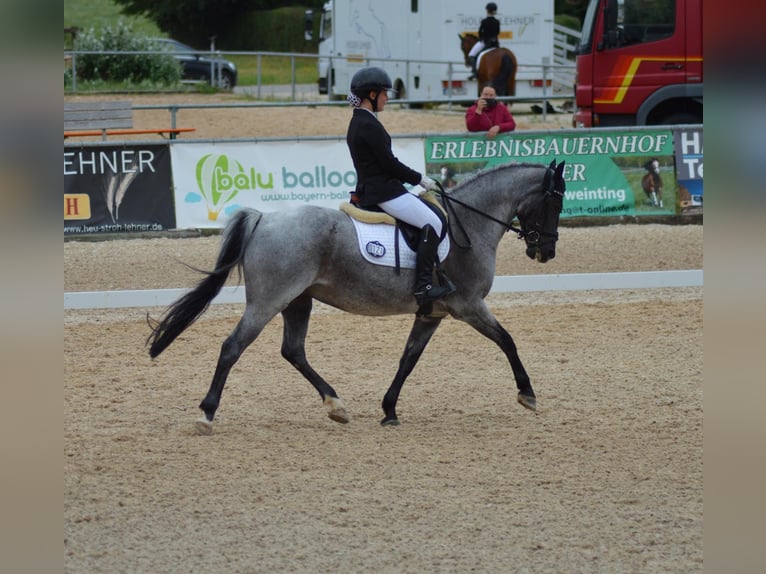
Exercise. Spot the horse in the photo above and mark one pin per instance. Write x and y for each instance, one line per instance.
(651, 183)
(497, 66)
(447, 177)
(290, 258)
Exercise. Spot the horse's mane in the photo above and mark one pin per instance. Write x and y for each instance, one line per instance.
(482, 173)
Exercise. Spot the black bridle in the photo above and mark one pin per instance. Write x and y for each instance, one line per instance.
(533, 236)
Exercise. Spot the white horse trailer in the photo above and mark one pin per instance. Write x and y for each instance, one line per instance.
(417, 42)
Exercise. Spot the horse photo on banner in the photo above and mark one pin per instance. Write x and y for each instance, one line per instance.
(605, 172)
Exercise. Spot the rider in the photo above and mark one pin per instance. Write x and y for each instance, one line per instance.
(489, 30)
(380, 175)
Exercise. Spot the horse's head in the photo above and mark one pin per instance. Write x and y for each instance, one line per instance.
(652, 166)
(467, 42)
(539, 216)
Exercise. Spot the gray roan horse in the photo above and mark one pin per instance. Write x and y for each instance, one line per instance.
(289, 258)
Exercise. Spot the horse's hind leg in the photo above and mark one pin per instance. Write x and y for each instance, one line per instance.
(296, 324)
(486, 324)
(246, 331)
(421, 333)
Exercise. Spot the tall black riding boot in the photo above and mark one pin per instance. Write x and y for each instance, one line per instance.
(425, 290)
(474, 72)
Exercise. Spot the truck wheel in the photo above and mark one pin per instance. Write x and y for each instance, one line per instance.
(681, 118)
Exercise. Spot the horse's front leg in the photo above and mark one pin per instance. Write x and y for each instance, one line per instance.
(421, 332)
(296, 324)
(485, 323)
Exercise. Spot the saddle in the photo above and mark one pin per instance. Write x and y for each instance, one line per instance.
(382, 247)
(409, 233)
(491, 43)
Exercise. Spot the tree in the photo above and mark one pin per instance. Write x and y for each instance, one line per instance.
(570, 12)
(194, 21)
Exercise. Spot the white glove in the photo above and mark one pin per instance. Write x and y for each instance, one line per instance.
(429, 184)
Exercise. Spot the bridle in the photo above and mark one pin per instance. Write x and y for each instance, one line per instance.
(534, 236)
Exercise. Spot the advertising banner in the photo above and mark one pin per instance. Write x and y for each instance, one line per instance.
(111, 189)
(688, 148)
(607, 174)
(214, 180)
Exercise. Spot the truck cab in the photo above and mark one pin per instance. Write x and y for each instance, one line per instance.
(639, 62)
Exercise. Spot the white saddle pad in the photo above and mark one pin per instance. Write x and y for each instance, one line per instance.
(376, 243)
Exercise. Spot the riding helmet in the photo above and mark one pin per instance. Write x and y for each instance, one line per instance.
(370, 79)
(491, 7)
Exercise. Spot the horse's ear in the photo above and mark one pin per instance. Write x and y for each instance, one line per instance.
(558, 179)
(553, 164)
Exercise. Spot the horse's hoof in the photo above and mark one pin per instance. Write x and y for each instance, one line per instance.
(204, 426)
(390, 422)
(527, 401)
(335, 409)
(339, 416)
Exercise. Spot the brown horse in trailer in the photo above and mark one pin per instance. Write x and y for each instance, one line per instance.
(496, 66)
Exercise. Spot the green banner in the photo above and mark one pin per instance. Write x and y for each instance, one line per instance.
(608, 174)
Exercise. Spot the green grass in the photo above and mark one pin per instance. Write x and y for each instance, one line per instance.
(274, 70)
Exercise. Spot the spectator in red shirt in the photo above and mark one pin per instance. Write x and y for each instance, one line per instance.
(489, 115)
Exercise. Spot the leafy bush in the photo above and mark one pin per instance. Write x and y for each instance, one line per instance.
(126, 68)
(568, 21)
(278, 30)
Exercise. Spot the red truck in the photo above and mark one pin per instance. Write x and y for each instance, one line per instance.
(639, 62)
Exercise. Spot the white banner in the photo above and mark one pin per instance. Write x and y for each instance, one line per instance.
(211, 181)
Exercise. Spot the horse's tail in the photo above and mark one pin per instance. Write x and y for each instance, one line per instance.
(193, 304)
(509, 74)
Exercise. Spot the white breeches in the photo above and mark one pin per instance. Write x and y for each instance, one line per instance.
(477, 47)
(412, 210)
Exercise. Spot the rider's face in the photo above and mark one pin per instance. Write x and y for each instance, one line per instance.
(382, 99)
(488, 92)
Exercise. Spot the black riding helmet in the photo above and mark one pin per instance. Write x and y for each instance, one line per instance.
(491, 7)
(368, 80)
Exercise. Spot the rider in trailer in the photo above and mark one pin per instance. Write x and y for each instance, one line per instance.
(489, 30)
(380, 177)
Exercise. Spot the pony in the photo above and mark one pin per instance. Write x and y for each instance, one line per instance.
(290, 258)
(447, 177)
(497, 66)
(651, 183)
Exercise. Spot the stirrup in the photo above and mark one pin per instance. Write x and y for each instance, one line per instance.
(433, 293)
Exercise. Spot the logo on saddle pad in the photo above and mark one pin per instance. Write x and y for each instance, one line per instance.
(375, 248)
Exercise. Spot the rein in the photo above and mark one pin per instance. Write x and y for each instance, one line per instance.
(533, 235)
(448, 200)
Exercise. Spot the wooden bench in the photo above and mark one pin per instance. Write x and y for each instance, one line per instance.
(104, 119)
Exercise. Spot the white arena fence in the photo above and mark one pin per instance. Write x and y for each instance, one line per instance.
(502, 284)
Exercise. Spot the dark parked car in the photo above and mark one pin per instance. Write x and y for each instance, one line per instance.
(199, 66)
